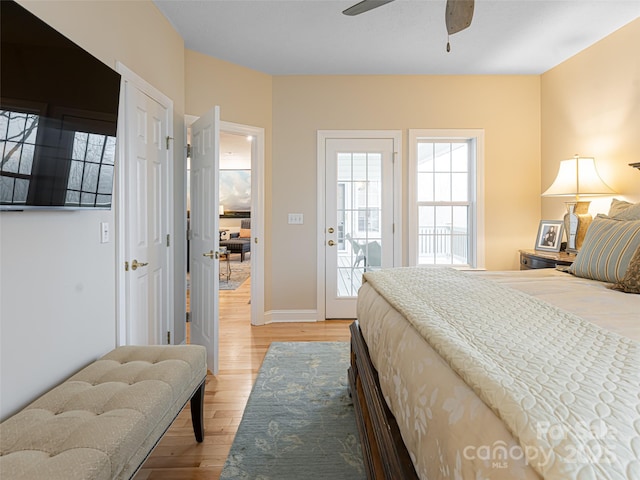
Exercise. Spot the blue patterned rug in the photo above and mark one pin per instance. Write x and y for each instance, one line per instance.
(299, 422)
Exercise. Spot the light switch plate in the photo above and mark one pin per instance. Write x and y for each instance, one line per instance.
(104, 232)
(296, 219)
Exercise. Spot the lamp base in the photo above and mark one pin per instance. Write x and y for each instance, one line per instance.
(576, 223)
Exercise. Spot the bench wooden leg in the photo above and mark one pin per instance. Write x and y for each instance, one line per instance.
(197, 413)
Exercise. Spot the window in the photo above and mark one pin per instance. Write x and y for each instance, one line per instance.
(18, 131)
(445, 205)
(91, 170)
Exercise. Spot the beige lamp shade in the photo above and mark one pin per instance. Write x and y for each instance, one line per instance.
(577, 176)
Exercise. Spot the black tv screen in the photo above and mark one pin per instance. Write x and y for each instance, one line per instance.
(58, 118)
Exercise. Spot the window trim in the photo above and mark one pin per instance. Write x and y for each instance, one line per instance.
(476, 137)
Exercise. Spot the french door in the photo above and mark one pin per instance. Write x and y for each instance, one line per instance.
(358, 217)
(204, 266)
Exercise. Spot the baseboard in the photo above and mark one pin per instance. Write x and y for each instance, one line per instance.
(285, 316)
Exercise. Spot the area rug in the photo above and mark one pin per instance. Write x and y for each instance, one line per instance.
(240, 271)
(299, 422)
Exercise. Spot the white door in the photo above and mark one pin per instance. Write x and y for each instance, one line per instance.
(204, 266)
(359, 213)
(146, 213)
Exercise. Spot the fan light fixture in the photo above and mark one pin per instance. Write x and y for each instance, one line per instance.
(577, 176)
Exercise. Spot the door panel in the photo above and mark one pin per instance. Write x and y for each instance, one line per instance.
(204, 266)
(358, 217)
(146, 212)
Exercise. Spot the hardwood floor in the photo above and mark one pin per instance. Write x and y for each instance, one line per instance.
(242, 349)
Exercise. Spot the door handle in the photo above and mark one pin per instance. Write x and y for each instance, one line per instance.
(211, 254)
(331, 243)
(135, 264)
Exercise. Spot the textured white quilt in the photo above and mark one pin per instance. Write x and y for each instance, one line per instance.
(567, 390)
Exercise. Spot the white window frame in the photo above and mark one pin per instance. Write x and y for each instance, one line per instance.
(476, 139)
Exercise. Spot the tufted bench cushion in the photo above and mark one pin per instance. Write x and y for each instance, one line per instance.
(103, 422)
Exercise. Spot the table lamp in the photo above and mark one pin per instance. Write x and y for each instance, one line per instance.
(577, 177)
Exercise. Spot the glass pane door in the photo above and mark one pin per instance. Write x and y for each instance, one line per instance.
(359, 212)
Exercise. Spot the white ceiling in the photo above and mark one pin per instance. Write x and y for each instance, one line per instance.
(292, 37)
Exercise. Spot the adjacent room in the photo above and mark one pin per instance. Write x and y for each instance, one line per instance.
(404, 234)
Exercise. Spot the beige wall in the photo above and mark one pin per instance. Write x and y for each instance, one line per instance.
(58, 281)
(506, 107)
(591, 107)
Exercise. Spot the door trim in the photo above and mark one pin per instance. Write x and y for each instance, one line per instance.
(322, 137)
(124, 130)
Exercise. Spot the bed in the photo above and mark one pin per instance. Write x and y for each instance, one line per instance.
(503, 375)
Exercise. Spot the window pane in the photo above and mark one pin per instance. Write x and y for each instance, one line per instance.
(90, 177)
(443, 187)
(344, 167)
(75, 175)
(359, 166)
(26, 162)
(106, 179)
(94, 148)
(459, 187)
(110, 151)
(79, 145)
(460, 158)
(12, 157)
(6, 188)
(443, 157)
(425, 157)
(425, 187)
(87, 199)
(20, 191)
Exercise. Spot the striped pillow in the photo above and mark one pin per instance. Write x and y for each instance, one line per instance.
(607, 249)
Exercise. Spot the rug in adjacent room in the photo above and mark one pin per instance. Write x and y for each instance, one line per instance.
(240, 271)
(299, 422)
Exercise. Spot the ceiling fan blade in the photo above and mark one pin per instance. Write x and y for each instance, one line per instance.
(459, 14)
(365, 6)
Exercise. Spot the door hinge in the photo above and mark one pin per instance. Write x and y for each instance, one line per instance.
(168, 140)
(168, 338)
(188, 150)
(393, 228)
(188, 316)
(188, 234)
(168, 239)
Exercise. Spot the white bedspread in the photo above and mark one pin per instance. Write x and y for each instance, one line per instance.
(568, 391)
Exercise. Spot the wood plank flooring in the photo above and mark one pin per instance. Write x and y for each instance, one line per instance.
(242, 348)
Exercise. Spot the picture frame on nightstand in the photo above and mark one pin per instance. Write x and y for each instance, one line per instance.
(549, 236)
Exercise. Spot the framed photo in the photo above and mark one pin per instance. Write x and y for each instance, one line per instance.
(549, 235)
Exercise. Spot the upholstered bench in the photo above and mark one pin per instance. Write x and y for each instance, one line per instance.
(105, 420)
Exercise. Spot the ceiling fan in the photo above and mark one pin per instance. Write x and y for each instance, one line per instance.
(458, 13)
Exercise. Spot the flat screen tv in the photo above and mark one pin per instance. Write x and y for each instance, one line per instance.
(58, 118)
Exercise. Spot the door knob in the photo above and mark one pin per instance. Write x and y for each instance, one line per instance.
(135, 264)
(331, 243)
(331, 230)
(211, 254)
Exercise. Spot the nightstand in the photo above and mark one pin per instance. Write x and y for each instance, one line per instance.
(531, 259)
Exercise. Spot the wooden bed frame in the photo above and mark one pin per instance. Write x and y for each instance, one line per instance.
(384, 453)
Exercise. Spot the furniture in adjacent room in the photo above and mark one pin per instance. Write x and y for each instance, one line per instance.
(223, 255)
(239, 242)
(532, 259)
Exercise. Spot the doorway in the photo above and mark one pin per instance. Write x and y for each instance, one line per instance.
(360, 217)
(246, 144)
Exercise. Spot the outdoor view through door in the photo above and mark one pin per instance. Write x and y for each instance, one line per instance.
(359, 217)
